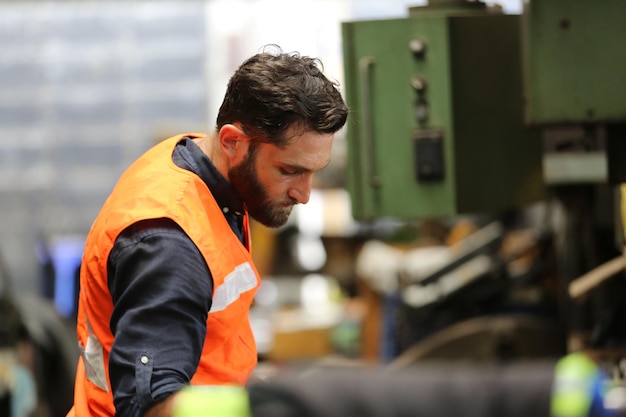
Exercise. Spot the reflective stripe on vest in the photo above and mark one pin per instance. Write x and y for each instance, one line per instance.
(93, 356)
(240, 280)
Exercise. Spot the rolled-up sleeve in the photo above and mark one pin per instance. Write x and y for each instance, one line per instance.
(161, 289)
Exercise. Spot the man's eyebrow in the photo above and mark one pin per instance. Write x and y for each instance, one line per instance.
(300, 168)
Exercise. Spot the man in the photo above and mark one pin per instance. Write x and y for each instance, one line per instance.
(167, 277)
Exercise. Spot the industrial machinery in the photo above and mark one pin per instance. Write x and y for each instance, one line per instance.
(450, 105)
(438, 127)
(462, 110)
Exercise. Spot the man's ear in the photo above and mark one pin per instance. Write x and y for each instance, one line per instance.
(233, 142)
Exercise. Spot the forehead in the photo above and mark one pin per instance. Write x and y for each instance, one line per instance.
(309, 150)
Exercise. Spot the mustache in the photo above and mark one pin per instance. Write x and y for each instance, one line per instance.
(288, 202)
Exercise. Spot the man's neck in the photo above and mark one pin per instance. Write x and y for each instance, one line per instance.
(210, 146)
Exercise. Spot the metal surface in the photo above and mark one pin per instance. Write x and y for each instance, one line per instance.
(366, 65)
(592, 279)
(487, 338)
(575, 167)
(450, 7)
(575, 61)
(457, 75)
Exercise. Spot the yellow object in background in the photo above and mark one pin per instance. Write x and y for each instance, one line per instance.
(576, 386)
(212, 401)
(621, 220)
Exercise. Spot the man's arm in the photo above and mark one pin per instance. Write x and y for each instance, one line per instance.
(161, 289)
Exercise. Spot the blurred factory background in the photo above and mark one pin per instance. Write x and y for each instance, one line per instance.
(472, 209)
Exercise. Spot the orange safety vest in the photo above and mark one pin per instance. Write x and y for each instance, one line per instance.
(154, 187)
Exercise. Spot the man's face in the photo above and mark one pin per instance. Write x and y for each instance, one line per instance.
(271, 180)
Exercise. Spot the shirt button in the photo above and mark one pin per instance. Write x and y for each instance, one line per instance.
(144, 359)
(225, 210)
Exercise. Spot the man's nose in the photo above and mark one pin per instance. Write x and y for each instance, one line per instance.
(301, 190)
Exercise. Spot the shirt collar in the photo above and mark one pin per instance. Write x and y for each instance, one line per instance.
(189, 156)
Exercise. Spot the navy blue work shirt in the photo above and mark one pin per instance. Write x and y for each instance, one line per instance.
(161, 288)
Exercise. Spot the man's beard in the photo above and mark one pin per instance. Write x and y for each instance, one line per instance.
(260, 206)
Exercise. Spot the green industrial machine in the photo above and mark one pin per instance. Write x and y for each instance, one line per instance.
(451, 106)
(575, 61)
(437, 125)
(574, 75)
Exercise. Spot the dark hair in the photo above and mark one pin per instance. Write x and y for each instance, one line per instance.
(272, 92)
